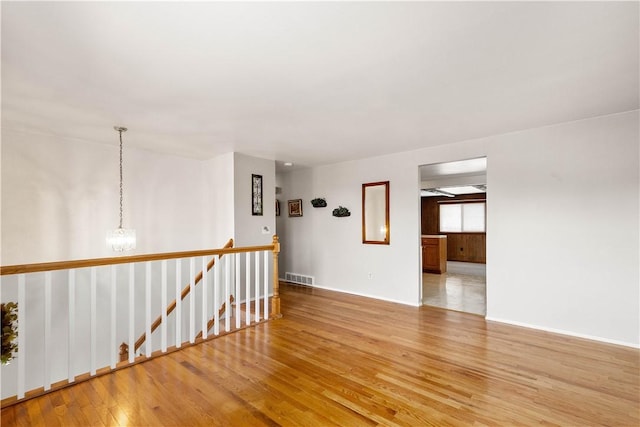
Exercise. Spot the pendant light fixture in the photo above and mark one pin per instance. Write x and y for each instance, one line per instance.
(121, 239)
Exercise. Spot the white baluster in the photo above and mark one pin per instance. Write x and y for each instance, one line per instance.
(266, 285)
(237, 295)
(132, 312)
(178, 303)
(247, 285)
(163, 306)
(204, 298)
(92, 366)
(72, 326)
(148, 345)
(227, 293)
(114, 319)
(47, 331)
(22, 332)
(192, 300)
(257, 297)
(211, 291)
(216, 287)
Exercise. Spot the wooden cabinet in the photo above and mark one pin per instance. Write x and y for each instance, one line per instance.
(434, 254)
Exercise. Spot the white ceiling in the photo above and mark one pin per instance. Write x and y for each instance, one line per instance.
(313, 83)
(460, 168)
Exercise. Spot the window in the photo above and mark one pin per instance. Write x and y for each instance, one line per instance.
(462, 218)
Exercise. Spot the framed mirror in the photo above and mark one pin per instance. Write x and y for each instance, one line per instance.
(375, 213)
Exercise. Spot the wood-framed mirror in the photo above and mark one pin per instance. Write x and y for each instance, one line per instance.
(375, 213)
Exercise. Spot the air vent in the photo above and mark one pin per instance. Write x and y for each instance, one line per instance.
(299, 278)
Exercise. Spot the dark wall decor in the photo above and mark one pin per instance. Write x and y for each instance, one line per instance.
(341, 211)
(277, 207)
(256, 194)
(295, 207)
(319, 203)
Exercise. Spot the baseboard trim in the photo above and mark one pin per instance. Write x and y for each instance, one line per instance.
(563, 332)
(355, 293)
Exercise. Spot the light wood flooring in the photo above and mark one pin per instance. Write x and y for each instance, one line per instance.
(455, 291)
(338, 359)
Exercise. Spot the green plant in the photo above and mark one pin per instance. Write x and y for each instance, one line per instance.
(9, 331)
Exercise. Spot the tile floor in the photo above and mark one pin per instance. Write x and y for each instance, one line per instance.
(462, 288)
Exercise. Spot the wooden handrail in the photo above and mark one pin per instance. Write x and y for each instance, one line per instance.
(97, 262)
(274, 247)
(183, 295)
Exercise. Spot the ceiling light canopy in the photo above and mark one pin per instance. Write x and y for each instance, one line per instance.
(453, 191)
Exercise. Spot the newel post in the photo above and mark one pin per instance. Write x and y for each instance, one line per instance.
(124, 352)
(275, 300)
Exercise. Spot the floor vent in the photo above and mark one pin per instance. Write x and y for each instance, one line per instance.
(299, 278)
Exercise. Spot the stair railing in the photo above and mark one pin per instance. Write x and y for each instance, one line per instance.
(72, 314)
(124, 347)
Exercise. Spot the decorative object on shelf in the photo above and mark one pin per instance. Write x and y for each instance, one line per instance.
(9, 331)
(256, 194)
(277, 207)
(295, 207)
(319, 203)
(341, 211)
(121, 239)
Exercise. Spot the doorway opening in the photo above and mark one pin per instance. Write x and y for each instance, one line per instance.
(453, 235)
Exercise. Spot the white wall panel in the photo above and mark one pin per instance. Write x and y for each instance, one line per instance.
(559, 255)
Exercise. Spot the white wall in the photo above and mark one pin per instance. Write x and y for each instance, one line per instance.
(563, 229)
(248, 228)
(219, 193)
(331, 249)
(563, 226)
(60, 197)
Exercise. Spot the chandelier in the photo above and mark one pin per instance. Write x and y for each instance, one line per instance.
(121, 239)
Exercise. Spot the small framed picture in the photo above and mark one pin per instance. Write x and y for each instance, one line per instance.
(277, 207)
(256, 194)
(295, 207)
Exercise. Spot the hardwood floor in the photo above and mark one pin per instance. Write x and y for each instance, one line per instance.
(338, 359)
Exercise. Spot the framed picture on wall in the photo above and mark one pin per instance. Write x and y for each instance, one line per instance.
(277, 207)
(256, 194)
(295, 207)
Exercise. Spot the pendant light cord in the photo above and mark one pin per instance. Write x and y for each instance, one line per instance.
(120, 131)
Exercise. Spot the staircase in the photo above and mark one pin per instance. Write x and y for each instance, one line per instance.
(78, 311)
